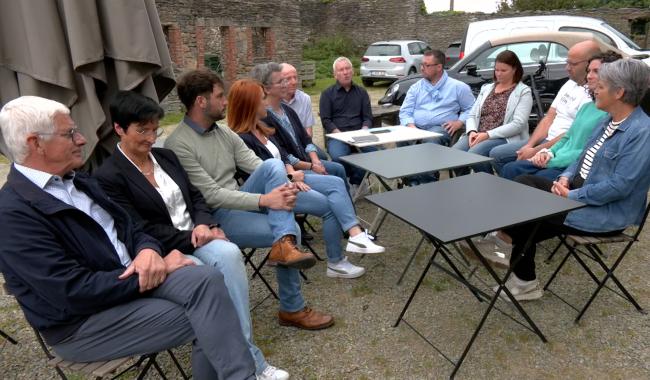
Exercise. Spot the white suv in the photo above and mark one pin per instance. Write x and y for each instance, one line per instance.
(391, 60)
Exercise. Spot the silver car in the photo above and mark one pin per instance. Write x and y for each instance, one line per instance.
(391, 60)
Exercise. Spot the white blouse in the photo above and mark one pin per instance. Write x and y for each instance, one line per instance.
(171, 195)
(275, 152)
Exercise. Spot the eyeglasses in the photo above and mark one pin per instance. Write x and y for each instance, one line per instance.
(431, 65)
(150, 132)
(282, 82)
(70, 134)
(574, 64)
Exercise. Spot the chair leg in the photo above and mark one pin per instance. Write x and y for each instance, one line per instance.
(557, 248)
(8, 337)
(256, 270)
(178, 365)
(147, 366)
(311, 249)
(609, 273)
(559, 267)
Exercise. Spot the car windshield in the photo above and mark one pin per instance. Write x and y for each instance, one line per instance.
(529, 53)
(383, 50)
(622, 36)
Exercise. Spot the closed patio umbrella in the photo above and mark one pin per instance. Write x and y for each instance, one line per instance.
(80, 53)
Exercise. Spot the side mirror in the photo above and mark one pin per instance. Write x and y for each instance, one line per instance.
(471, 70)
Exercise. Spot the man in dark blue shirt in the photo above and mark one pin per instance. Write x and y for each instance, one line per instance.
(345, 106)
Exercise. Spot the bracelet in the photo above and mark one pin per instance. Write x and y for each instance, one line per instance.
(211, 226)
(311, 165)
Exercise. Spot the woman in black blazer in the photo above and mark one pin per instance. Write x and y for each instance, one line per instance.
(153, 187)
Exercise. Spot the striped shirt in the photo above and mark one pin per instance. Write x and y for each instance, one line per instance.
(588, 159)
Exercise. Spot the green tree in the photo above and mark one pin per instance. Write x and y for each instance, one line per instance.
(531, 5)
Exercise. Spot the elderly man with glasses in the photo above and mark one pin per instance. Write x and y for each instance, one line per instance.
(87, 278)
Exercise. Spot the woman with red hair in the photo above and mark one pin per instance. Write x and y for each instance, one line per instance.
(324, 196)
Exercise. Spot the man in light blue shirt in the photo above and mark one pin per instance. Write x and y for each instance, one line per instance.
(436, 103)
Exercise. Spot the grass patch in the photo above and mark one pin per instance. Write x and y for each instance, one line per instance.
(172, 118)
(360, 290)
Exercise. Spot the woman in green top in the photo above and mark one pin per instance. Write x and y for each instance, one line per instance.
(550, 163)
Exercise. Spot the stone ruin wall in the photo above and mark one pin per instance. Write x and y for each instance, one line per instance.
(242, 33)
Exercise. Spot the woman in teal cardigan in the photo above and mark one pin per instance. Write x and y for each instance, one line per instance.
(550, 163)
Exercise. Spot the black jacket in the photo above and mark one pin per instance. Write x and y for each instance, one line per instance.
(284, 139)
(124, 183)
(59, 262)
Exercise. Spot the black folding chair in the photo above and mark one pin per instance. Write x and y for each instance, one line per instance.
(248, 259)
(592, 244)
(106, 368)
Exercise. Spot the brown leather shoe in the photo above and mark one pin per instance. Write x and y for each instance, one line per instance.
(306, 318)
(285, 253)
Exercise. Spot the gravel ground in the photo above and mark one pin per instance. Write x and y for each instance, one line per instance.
(610, 342)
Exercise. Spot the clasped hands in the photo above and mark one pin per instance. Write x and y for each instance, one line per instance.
(152, 269)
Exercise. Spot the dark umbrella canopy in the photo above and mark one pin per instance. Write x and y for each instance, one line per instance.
(80, 53)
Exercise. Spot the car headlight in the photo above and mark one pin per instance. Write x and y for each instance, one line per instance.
(392, 90)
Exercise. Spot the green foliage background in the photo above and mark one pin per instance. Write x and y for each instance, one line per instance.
(532, 5)
(325, 50)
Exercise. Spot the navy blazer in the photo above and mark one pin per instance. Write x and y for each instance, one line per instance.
(260, 150)
(124, 183)
(57, 261)
(283, 137)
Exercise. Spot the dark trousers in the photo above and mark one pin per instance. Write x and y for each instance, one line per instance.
(548, 228)
(192, 305)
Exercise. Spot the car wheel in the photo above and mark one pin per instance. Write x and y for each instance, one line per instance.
(367, 82)
(412, 71)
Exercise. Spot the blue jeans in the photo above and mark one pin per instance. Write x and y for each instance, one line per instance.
(260, 229)
(483, 148)
(514, 169)
(329, 200)
(505, 153)
(335, 169)
(339, 149)
(321, 153)
(443, 139)
(226, 257)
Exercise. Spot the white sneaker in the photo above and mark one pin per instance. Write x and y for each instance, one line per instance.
(500, 244)
(520, 289)
(361, 243)
(273, 373)
(344, 269)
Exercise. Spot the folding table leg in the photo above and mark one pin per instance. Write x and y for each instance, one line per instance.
(417, 286)
(408, 265)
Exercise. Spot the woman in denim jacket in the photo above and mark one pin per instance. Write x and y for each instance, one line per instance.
(610, 177)
(500, 113)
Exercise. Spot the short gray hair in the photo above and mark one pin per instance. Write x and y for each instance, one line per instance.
(25, 115)
(263, 71)
(340, 59)
(629, 74)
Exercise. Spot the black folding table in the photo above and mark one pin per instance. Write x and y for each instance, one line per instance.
(463, 207)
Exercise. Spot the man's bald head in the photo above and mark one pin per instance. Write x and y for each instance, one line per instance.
(290, 74)
(578, 59)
